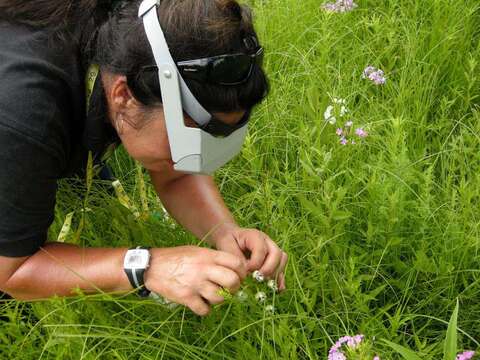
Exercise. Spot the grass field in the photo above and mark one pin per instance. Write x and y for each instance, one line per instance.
(383, 235)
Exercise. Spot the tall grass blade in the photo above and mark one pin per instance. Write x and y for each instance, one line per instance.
(450, 352)
(405, 352)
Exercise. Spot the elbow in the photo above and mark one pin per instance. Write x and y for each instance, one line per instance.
(9, 267)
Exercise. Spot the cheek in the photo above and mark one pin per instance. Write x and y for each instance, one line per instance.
(156, 142)
(148, 144)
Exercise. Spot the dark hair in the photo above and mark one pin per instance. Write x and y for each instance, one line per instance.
(116, 40)
(193, 29)
(53, 14)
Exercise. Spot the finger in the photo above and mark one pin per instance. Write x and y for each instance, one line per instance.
(210, 292)
(198, 305)
(272, 260)
(224, 277)
(232, 262)
(282, 286)
(283, 263)
(258, 251)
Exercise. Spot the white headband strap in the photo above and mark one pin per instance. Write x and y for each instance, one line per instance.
(161, 53)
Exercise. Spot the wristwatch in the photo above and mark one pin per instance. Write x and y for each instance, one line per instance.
(135, 263)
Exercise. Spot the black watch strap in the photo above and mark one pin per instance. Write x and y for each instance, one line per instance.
(135, 276)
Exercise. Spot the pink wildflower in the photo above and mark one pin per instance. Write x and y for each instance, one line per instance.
(340, 6)
(352, 342)
(349, 124)
(467, 355)
(376, 358)
(339, 132)
(337, 356)
(343, 141)
(361, 133)
(377, 76)
(368, 70)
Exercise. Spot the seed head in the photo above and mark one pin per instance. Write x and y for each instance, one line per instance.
(257, 275)
(260, 296)
(270, 309)
(272, 284)
(242, 296)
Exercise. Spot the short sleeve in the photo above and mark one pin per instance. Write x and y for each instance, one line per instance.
(35, 108)
(41, 117)
(27, 192)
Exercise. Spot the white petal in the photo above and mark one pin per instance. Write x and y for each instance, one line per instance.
(332, 120)
(328, 112)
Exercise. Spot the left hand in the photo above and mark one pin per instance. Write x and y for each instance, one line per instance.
(263, 253)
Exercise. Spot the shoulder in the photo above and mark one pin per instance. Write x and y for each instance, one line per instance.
(59, 50)
(43, 84)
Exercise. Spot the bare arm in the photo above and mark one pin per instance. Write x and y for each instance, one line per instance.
(57, 269)
(188, 275)
(195, 202)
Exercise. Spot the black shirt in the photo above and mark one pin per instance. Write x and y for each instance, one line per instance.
(44, 132)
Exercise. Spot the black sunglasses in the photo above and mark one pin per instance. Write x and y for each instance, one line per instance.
(232, 69)
(229, 70)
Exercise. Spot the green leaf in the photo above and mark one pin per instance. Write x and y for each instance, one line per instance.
(67, 224)
(142, 189)
(424, 264)
(89, 171)
(405, 352)
(450, 350)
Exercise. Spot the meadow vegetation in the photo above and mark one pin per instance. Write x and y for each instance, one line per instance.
(383, 235)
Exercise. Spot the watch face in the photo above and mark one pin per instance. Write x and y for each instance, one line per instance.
(136, 259)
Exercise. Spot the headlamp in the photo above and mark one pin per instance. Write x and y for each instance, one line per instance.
(194, 150)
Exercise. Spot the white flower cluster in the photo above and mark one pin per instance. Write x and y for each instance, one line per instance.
(261, 296)
(337, 109)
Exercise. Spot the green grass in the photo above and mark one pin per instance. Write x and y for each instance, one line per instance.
(383, 236)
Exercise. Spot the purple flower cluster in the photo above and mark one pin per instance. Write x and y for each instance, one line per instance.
(340, 6)
(351, 342)
(361, 133)
(377, 76)
(344, 133)
(467, 355)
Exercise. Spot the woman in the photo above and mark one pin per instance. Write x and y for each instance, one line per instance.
(46, 133)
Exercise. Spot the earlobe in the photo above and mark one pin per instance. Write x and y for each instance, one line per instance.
(118, 123)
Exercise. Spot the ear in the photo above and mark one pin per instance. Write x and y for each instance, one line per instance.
(119, 95)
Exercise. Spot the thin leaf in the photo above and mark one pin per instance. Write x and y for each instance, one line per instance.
(67, 224)
(405, 352)
(89, 171)
(123, 198)
(450, 350)
(142, 190)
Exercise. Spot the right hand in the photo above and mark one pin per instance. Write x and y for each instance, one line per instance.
(193, 276)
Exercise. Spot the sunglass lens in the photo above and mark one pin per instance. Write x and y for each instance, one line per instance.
(231, 69)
